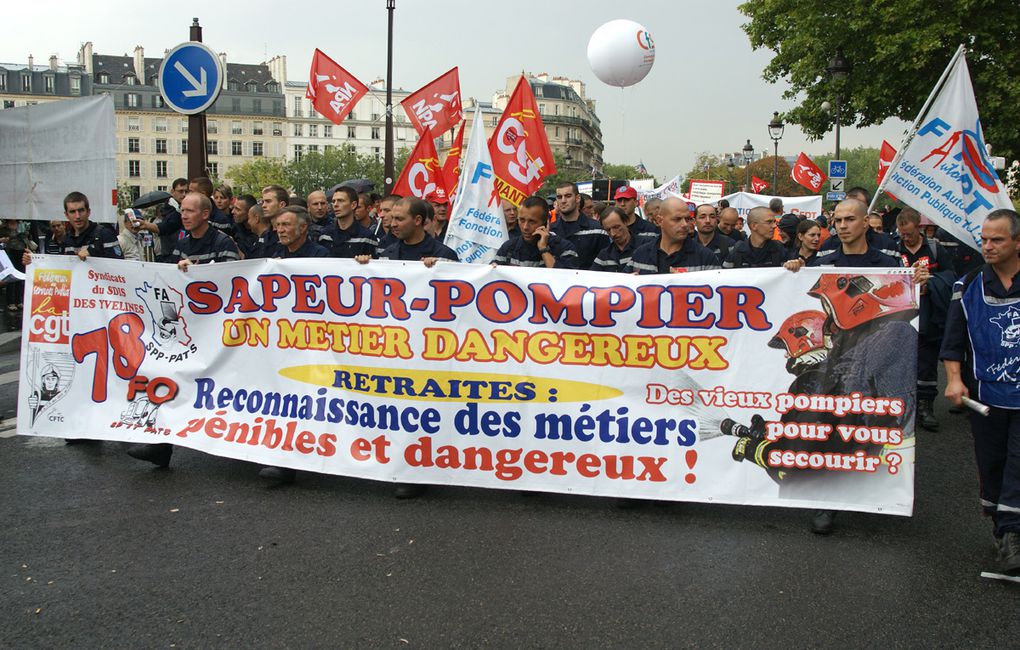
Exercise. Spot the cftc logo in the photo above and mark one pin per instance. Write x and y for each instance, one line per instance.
(644, 40)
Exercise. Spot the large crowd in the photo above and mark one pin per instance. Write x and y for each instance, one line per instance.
(200, 223)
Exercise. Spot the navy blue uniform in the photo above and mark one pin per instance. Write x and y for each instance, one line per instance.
(307, 249)
(257, 247)
(643, 231)
(585, 234)
(743, 255)
(931, 312)
(521, 252)
(98, 238)
(878, 240)
(983, 334)
(428, 247)
(213, 246)
(871, 258)
(614, 260)
(735, 235)
(317, 229)
(221, 221)
(649, 258)
(356, 240)
(720, 245)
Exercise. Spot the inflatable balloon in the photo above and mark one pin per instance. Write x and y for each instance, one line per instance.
(621, 53)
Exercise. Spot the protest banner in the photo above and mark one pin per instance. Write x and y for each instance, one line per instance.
(705, 191)
(943, 169)
(477, 228)
(809, 206)
(664, 191)
(710, 386)
(49, 147)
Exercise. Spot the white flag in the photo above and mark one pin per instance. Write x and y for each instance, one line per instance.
(477, 228)
(945, 172)
(7, 268)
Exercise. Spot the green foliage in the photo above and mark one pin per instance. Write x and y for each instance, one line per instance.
(898, 49)
(252, 176)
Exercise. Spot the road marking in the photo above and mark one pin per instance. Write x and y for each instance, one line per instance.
(8, 429)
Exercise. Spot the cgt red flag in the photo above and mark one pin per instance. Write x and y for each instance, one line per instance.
(451, 168)
(758, 185)
(436, 105)
(520, 152)
(333, 90)
(885, 158)
(422, 175)
(805, 172)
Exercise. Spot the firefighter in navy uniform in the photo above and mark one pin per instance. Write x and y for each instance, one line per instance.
(408, 222)
(615, 258)
(584, 233)
(345, 237)
(85, 238)
(536, 246)
(981, 353)
(676, 248)
(202, 245)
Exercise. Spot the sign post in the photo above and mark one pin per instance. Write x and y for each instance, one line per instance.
(190, 80)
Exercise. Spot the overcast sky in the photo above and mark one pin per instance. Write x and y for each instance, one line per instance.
(704, 93)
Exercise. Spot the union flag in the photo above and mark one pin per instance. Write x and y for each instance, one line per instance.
(758, 185)
(333, 90)
(451, 168)
(806, 173)
(436, 105)
(422, 174)
(520, 152)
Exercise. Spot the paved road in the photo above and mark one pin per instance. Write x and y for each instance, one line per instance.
(99, 550)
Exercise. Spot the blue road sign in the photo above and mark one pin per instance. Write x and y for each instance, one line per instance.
(835, 196)
(837, 169)
(190, 78)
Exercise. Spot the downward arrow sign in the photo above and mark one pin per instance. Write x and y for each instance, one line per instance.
(198, 88)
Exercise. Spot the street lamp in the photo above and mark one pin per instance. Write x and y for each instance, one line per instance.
(748, 157)
(776, 128)
(729, 168)
(839, 69)
(567, 159)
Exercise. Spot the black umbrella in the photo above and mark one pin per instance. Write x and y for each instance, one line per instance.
(151, 199)
(359, 185)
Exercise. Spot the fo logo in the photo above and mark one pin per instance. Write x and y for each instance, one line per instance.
(644, 40)
(977, 162)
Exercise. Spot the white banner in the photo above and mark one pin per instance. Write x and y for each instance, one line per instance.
(51, 149)
(945, 173)
(809, 206)
(664, 191)
(477, 228)
(703, 191)
(707, 386)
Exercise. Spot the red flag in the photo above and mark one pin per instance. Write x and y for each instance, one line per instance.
(885, 158)
(422, 174)
(333, 90)
(436, 105)
(758, 185)
(805, 172)
(451, 168)
(520, 152)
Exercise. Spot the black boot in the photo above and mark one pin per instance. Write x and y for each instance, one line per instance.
(278, 475)
(926, 415)
(408, 490)
(157, 454)
(1009, 556)
(823, 522)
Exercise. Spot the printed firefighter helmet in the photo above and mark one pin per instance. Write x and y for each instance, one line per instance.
(800, 333)
(852, 300)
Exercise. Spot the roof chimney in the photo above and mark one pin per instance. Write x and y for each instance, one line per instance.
(140, 63)
(31, 62)
(53, 62)
(223, 62)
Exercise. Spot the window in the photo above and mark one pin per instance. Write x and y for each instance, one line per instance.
(184, 125)
(313, 130)
(299, 150)
(313, 148)
(256, 148)
(159, 125)
(272, 87)
(235, 105)
(214, 169)
(162, 188)
(3, 82)
(48, 83)
(327, 148)
(235, 128)
(375, 152)
(495, 121)
(26, 83)
(214, 127)
(212, 148)
(136, 191)
(131, 100)
(375, 117)
(299, 129)
(184, 146)
(256, 106)
(130, 80)
(375, 132)
(160, 169)
(233, 85)
(352, 132)
(8, 103)
(541, 109)
(256, 128)
(251, 87)
(134, 124)
(556, 109)
(278, 108)
(557, 131)
(297, 107)
(235, 148)
(277, 128)
(327, 131)
(103, 78)
(133, 145)
(134, 168)
(160, 146)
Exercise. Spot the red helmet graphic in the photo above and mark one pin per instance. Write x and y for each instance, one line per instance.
(800, 333)
(852, 300)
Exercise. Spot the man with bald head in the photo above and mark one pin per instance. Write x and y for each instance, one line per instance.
(675, 249)
(759, 250)
(706, 220)
(730, 224)
(318, 213)
(877, 240)
(852, 244)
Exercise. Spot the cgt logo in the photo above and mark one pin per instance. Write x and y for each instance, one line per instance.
(644, 40)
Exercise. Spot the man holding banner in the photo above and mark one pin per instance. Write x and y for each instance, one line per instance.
(675, 250)
(536, 246)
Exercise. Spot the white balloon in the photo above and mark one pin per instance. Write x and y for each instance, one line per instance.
(621, 52)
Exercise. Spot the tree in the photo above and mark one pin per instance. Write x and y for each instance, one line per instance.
(898, 50)
(252, 176)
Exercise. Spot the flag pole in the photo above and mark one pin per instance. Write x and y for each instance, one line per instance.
(960, 51)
